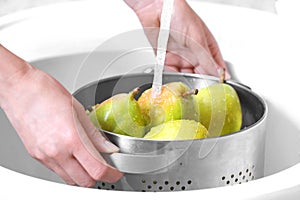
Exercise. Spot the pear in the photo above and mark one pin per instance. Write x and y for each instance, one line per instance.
(220, 109)
(177, 130)
(174, 102)
(119, 114)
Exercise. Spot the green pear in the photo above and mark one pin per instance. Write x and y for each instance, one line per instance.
(174, 102)
(220, 109)
(177, 130)
(119, 114)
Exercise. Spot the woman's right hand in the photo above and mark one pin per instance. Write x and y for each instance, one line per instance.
(53, 125)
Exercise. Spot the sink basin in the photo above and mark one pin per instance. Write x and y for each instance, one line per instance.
(69, 46)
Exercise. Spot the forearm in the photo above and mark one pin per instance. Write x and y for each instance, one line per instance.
(12, 69)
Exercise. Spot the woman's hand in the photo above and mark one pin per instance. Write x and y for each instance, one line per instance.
(188, 37)
(53, 125)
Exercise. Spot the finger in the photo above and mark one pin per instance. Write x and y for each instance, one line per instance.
(97, 169)
(179, 50)
(100, 142)
(90, 159)
(197, 56)
(214, 49)
(198, 47)
(68, 169)
(206, 65)
(187, 70)
(171, 68)
(216, 52)
(79, 175)
(59, 171)
(179, 60)
(199, 70)
(178, 69)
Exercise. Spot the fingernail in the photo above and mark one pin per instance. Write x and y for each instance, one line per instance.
(110, 146)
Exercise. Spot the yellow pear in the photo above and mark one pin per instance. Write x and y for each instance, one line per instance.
(177, 130)
(174, 102)
(220, 109)
(119, 114)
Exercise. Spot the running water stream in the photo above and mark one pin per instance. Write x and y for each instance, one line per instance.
(162, 42)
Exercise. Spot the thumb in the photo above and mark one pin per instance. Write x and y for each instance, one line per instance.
(99, 141)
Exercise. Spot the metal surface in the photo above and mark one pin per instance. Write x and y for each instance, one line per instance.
(190, 164)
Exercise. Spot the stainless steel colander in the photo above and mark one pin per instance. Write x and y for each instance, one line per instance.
(183, 165)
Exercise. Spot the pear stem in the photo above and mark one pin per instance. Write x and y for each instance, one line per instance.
(135, 91)
(222, 75)
(90, 108)
(190, 92)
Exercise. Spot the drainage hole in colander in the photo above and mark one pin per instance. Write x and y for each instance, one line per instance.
(242, 176)
(156, 185)
(103, 185)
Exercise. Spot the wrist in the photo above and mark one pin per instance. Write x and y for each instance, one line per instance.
(138, 5)
(12, 70)
(11, 65)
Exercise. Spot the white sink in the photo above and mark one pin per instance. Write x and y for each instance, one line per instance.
(58, 39)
